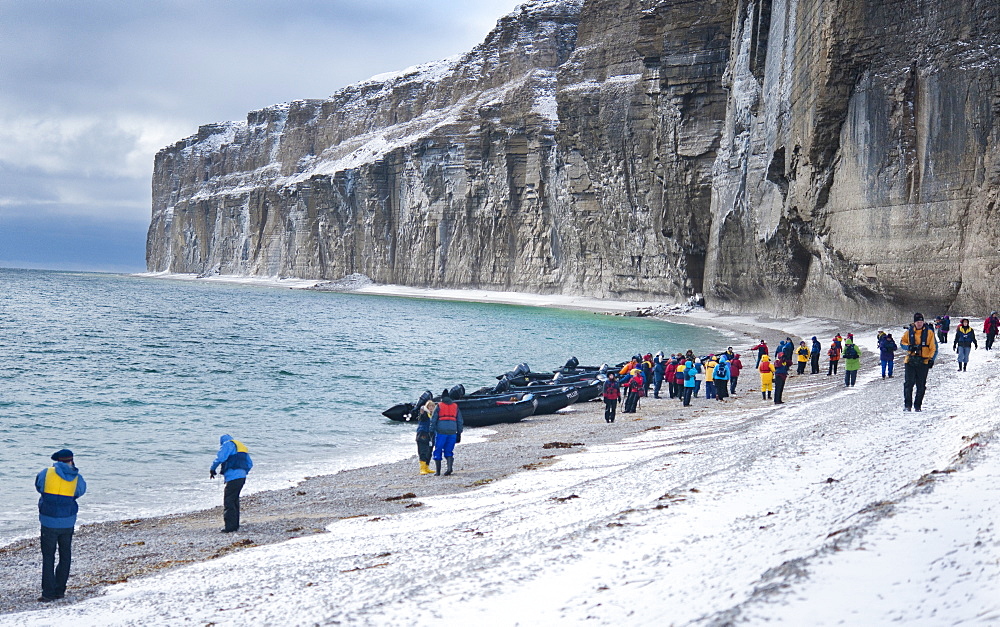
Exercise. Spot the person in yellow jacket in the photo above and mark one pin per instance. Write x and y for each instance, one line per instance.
(710, 376)
(766, 369)
(60, 486)
(803, 356)
(921, 349)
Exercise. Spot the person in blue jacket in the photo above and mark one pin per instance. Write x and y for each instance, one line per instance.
(814, 352)
(887, 354)
(690, 381)
(446, 425)
(965, 339)
(60, 486)
(721, 376)
(234, 457)
(658, 371)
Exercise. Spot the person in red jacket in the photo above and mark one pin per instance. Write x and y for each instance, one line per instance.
(611, 396)
(670, 376)
(990, 327)
(635, 387)
(761, 351)
(735, 365)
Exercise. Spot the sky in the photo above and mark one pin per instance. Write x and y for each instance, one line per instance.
(90, 91)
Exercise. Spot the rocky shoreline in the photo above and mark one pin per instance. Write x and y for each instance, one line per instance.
(114, 552)
(108, 553)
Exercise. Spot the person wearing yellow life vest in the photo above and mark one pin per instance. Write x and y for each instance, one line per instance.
(60, 486)
(234, 457)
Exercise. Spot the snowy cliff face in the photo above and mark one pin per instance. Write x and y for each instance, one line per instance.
(556, 157)
(859, 169)
(787, 156)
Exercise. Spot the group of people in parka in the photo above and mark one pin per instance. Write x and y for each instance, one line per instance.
(684, 372)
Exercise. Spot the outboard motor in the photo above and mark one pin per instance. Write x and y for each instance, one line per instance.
(415, 412)
(571, 364)
(457, 392)
(502, 387)
(521, 369)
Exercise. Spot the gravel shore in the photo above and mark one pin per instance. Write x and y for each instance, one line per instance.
(113, 552)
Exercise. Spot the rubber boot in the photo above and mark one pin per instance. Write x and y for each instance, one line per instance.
(769, 394)
(763, 395)
(425, 469)
(437, 464)
(450, 460)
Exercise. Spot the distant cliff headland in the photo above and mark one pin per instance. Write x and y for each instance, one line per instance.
(786, 157)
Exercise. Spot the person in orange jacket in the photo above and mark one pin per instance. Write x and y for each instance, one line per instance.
(834, 354)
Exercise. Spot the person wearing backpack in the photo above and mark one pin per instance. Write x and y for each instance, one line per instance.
(852, 362)
(721, 377)
(965, 339)
(921, 348)
(887, 353)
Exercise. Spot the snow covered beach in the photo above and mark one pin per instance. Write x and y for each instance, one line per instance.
(825, 510)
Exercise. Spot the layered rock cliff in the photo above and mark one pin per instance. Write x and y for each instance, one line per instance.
(784, 156)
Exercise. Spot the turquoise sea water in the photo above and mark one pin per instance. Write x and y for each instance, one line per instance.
(140, 377)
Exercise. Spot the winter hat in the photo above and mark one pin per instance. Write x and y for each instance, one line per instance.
(65, 455)
(445, 399)
(814, 339)
(918, 316)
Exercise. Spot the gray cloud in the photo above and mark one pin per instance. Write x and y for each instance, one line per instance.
(89, 91)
